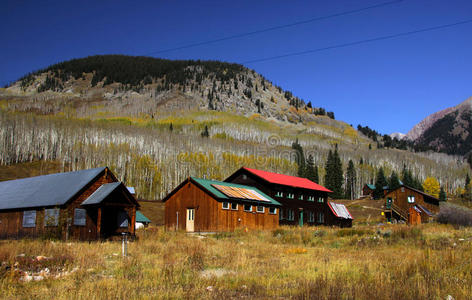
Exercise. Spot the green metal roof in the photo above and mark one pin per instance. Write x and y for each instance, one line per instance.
(141, 218)
(207, 184)
(371, 186)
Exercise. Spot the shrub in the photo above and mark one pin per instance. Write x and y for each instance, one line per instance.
(456, 215)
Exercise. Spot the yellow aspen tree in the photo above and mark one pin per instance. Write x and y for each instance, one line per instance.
(431, 186)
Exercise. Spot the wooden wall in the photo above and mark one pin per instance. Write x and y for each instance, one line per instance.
(11, 221)
(247, 178)
(209, 214)
(400, 198)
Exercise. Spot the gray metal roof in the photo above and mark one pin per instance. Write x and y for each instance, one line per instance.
(101, 193)
(46, 190)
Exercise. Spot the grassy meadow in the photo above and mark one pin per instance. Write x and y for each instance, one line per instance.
(430, 261)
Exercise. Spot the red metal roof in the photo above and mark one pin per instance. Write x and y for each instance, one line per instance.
(292, 181)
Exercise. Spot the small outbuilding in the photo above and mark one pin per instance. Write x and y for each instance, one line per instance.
(141, 220)
(84, 205)
(368, 190)
(340, 215)
(203, 205)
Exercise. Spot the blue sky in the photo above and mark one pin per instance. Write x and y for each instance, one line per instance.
(389, 85)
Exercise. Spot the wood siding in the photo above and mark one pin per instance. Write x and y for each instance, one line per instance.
(400, 198)
(209, 213)
(11, 221)
(296, 205)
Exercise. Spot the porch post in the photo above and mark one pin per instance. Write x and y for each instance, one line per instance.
(99, 222)
(133, 220)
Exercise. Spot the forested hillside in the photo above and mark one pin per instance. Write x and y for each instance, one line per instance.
(156, 122)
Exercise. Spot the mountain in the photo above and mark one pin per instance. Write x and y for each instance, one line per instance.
(398, 135)
(449, 130)
(156, 122)
(150, 85)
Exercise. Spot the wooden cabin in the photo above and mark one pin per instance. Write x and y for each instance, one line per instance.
(206, 205)
(368, 190)
(83, 205)
(303, 201)
(410, 205)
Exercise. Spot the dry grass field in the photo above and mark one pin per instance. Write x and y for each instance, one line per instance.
(430, 261)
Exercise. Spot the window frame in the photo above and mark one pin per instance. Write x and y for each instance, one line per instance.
(320, 217)
(321, 200)
(272, 208)
(247, 210)
(311, 217)
(279, 194)
(259, 211)
(291, 215)
(55, 217)
(300, 197)
(223, 205)
(411, 199)
(234, 208)
(75, 223)
(29, 213)
(290, 195)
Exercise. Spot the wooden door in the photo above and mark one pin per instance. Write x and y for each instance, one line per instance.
(300, 219)
(190, 225)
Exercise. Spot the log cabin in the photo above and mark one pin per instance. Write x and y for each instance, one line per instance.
(82, 205)
(368, 190)
(410, 205)
(303, 201)
(200, 205)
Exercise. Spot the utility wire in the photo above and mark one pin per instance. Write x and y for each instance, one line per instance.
(386, 37)
(236, 36)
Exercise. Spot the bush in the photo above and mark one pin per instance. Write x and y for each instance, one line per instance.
(456, 215)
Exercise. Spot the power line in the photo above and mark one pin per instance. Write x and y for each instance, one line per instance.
(386, 37)
(231, 37)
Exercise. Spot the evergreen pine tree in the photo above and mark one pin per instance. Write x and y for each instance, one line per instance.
(350, 181)
(334, 174)
(299, 158)
(393, 182)
(442, 195)
(316, 178)
(205, 132)
(467, 181)
(379, 184)
(407, 178)
(310, 169)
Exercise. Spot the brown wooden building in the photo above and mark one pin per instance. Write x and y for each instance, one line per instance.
(84, 205)
(368, 190)
(303, 201)
(205, 205)
(410, 205)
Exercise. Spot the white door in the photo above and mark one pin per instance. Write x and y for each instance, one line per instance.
(190, 226)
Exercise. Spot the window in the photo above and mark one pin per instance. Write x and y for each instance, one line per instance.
(281, 214)
(123, 219)
(311, 198)
(411, 199)
(320, 199)
(403, 189)
(260, 209)
(272, 210)
(234, 206)
(311, 216)
(29, 218)
(51, 217)
(247, 207)
(291, 215)
(225, 205)
(320, 217)
(290, 195)
(300, 197)
(279, 194)
(80, 217)
(244, 176)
